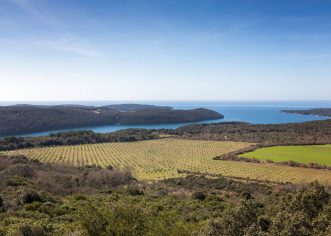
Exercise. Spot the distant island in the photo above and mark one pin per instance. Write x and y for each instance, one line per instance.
(24, 118)
(316, 111)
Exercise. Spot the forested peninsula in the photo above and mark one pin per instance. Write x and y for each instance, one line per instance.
(21, 119)
(316, 111)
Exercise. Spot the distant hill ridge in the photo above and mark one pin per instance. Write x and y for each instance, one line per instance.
(134, 107)
(25, 118)
(119, 107)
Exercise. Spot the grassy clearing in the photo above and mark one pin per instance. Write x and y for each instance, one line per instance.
(164, 158)
(320, 154)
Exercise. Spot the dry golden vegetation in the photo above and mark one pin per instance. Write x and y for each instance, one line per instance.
(170, 157)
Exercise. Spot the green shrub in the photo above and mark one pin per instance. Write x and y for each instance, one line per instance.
(32, 230)
(61, 210)
(14, 182)
(235, 221)
(128, 221)
(31, 196)
(120, 221)
(134, 189)
(47, 208)
(80, 197)
(1, 202)
(93, 221)
(34, 206)
(2, 230)
(246, 195)
(20, 169)
(169, 224)
(199, 196)
(295, 213)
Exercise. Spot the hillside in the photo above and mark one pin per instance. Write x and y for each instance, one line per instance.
(317, 111)
(26, 118)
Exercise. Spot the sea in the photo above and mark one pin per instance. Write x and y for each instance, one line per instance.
(255, 112)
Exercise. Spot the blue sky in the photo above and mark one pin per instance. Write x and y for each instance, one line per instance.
(165, 50)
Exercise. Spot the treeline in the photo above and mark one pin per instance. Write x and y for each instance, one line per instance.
(75, 138)
(315, 132)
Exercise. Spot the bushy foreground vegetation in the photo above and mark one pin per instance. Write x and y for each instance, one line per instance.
(43, 199)
(170, 158)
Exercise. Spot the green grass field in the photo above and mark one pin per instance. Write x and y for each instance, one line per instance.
(166, 158)
(320, 154)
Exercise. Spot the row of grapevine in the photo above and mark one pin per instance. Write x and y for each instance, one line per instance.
(158, 159)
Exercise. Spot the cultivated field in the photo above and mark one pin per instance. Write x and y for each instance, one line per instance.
(163, 158)
(320, 154)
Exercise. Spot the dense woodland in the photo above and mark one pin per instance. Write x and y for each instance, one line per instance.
(315, 132)
(43, 199)
(22, 119)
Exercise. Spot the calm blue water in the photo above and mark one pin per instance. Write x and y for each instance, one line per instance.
(252, 112)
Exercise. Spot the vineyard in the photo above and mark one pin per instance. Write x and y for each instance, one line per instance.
(170, 157)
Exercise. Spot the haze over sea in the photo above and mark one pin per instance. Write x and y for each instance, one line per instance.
(256, 112)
